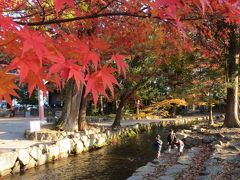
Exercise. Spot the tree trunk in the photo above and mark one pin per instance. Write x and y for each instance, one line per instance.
(101, 106)
(118, 116)
(138, 109)
(193, 107)
(231, 118)
(127, 93)
(210, 117)
(72, 99)
(82, 119)
(174, 110)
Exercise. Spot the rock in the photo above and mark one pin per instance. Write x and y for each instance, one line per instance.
(209, 139)
(232, 147)
(53, 152)
(236, 172)
(5, 172)
(135, 177)
(217, 144)
(213, 170)
(166, 178)
(181, 135)
(175, 170)
(149, 168)
(101, 141)
(77, 135)
(201, 130)
(42, 159)
(32, 163)
(205, 177)
(79, 147)
(64, 134)
(84, 138)
(185, 160)
(23, 156)
(189, 141)
(187, 131)
(64, 147)
(7, 160)
(16, 168)
(194, 127)
(220, 135)
(222, 116)
(228, 138)
(136, 126)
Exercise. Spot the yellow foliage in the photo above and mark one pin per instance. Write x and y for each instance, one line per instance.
(166, 103)
(201, 103)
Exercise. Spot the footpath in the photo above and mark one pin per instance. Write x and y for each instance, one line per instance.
(210, 154)
(12, 133)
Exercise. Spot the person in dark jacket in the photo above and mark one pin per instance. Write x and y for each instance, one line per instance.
(157, 145)
(171, 138)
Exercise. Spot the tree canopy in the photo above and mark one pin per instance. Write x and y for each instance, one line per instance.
(68, 39)
(88, 41)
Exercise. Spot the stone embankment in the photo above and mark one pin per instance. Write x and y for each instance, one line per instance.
(210, 153)
(51, 146)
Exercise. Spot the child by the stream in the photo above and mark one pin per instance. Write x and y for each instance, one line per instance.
(171, 138)
(180, 144)
(157, 145)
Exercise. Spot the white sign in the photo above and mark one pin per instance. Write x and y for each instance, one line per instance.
(34, 126)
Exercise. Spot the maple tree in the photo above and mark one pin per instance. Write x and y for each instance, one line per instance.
(64, 40)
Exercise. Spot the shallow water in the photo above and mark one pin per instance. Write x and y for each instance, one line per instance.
(113, 162)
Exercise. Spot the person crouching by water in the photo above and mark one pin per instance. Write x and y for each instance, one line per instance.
(171, 139)
(180, 144)
(157, 145)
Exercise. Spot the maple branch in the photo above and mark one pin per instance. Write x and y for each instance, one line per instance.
(109, 14)
(93, 16)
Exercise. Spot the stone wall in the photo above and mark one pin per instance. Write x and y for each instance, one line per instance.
(56, 145)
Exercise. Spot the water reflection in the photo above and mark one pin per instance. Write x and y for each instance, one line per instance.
(115, 162)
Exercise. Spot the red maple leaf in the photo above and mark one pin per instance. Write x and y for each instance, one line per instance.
(33, 41)
(35, 80)
(204, 3)
(121, 65)
(92, 56)
(99, 81)
(66, 68)
(59, 4)
(6, 23)
(108, 78)
(7, 87)
(24, 65)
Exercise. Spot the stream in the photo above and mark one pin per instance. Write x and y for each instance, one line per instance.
(114, 162)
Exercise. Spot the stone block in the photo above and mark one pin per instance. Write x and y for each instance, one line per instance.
(79, 147)
(23, 156)
(101, 142)
(64, 147)
(7, 160)
(53, 152)
(84, 138)
(16, 168)
(166, 178)
(175, 170)
(32, 163)
(42, 159)
(5, 172)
